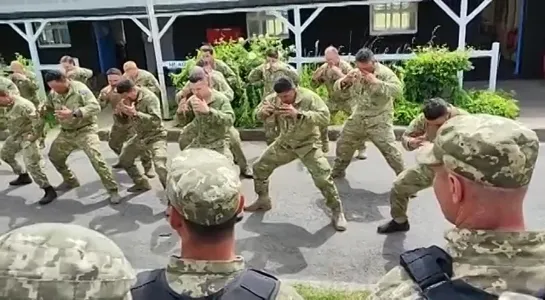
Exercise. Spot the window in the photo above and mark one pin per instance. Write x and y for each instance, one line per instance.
(266, 23)
(398, 18)
(54, 35)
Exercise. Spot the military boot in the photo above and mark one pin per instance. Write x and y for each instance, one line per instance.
(338, 174)
(338, 220)
(49, 196)
(114, 197)
(140, 187)
(22, 179)
(325, 148)
(66, 186)
(247, 172)
(261, 204)
(361, 155)
(393, 226)
(149, 172)
(117, 166)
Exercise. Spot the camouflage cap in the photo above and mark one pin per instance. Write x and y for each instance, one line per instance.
(62, 262)
(491, 150)
(204, 186)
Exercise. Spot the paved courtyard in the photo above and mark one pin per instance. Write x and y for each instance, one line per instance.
(293, 240)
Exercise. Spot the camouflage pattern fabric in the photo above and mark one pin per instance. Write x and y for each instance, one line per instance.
(78, 133)
(298, 139)
(336, 101)
(5, 83)
(80, 74)
(268, 74)
(28, 87)
(62, 262)
(147, 80)
(494, 261)
(490, 150)
(419, 177)
(150, 138)
(226, 71)
(217, 81)
(212, 129)
(372, 119)
(22, 123)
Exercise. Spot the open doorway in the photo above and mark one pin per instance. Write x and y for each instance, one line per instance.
(501, 22)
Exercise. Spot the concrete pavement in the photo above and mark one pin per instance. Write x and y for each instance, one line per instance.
(294, 240)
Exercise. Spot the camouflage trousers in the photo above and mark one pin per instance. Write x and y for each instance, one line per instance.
(277, 155)
(87, 140)
(135, 147)
(407, 183)
(121, 133)
(379, 130)
(32, 159)
(189, 132)
(334, 108)
(271, 129)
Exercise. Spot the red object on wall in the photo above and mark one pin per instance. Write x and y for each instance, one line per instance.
(215, 34)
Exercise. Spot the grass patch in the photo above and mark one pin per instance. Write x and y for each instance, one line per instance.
(312, 293)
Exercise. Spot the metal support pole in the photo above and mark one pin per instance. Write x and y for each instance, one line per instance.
(298, 42)
(494, 64)
(312, 17)
(154, 26)
(31, 39)
(462, 35)
(167, 26)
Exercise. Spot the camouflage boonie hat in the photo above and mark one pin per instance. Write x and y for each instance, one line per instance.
(204, 186)
(62, 262)
(491, 150)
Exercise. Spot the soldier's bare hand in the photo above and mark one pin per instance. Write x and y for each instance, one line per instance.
(200, 105)
(416, 142)
(182, 106)
(63, 113)
(288, 110)
(370, 78)
(129, 110)
(267, 109)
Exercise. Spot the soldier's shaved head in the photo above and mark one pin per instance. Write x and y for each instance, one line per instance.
(129, 65)
(332, 55)
(197, 74)
(16, 66)
(331, 50)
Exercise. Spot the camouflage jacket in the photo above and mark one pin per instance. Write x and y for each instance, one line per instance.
(22, 118)
(108, 95)
(230, 75)
(419, 127)
(198, 278)
(78, 97)
(328, 78)
(373, 100)
(28, 87)
(12, 87)
(148, 123)
(299, 134)
(212, 128)
(269, 74)
(147, 80)
(217, 82)
(496, 262)
(80, 74)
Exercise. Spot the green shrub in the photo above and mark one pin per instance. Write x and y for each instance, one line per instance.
(494, 103)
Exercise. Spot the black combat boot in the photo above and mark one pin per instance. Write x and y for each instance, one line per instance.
(49, 196)
(393, 226)
(23, 179)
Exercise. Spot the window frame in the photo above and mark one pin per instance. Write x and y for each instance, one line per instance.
(261, 18)
(61, 26)
(412, 10)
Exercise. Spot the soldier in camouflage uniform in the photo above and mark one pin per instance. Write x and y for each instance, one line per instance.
(73, 72)
(62, 262)
(218, 83)
(141, 77)
(23, 120)
(483, 165)
(299, 112)
(373, 88)
(422, 130)
(122, 129)
(205, 199)
(207, 54)
(327, 75)
(27, 85)
(267, 74)
(143, 110)
(211, 114)
(7, 83)
(76, 110)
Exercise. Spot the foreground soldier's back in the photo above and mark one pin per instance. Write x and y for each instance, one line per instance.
(50, 261)
(483, 165)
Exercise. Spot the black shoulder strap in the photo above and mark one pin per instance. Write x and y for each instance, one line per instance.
(252, 284)
(431, 269)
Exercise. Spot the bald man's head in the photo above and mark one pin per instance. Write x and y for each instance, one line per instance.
(16, 67)
(131, 69)
(332, 56)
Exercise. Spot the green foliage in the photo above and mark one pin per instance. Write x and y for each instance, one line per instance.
(431, 73)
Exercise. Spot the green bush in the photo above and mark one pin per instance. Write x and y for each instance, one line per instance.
(432, 73)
